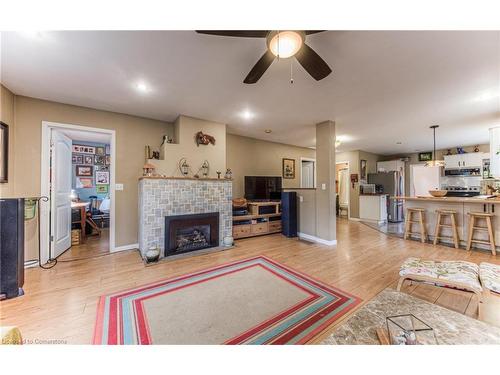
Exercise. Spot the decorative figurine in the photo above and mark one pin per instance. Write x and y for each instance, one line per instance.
(449, 152)
(204, 139)
(229, 174)
(460, 150)
(476, 148)
(148, 170)
(218, 174)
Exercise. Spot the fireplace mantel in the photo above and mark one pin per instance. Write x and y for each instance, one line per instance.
(184, 178)
(166, 196)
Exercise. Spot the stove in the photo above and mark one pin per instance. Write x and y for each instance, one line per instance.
(462, 191)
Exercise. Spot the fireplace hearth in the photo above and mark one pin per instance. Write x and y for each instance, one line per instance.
(185, 233)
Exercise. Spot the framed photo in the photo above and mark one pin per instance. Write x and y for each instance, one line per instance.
(84, 182)
(103, 168)
(425, 156)
(362, 170)
(108, 160)
(4, 152)
(288, 168)
(99, 150)
(88, 159)
(84, 149)
(84, 170)
(101, 189)
(108, 150)
(102, 178)
(77, 159)
(100, 159)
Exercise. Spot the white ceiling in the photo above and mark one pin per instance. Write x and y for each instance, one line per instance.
(386, 86)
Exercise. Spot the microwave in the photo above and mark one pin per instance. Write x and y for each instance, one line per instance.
(463, 172)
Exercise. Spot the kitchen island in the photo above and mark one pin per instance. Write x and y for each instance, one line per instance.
(463, 206)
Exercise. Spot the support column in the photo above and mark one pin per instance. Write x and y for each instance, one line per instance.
(326, 225)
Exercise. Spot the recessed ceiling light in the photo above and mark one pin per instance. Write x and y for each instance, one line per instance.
(486, 96)
(246, 114)
(142, 87)
(268, 131)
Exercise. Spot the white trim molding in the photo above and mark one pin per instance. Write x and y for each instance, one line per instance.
(132, 246)
(312, 238)
(47, 127)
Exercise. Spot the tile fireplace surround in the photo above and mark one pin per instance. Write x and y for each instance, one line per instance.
(164, 196)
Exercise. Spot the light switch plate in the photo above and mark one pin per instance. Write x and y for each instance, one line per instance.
(301, 198)
(323, 186)
(118, 186)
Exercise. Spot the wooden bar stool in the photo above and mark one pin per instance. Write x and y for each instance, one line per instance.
(421, 221)
(473, 216)
(453, 226)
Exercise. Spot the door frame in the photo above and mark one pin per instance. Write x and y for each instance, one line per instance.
(314, 161)
(348, 184)
(44, 207)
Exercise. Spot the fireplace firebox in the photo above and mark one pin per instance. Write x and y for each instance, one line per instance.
(185, 233)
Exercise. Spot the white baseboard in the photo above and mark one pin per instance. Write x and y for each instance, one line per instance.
(125, 247)
(354, 219)
(317, 239)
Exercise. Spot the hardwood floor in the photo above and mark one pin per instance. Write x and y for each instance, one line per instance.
(60, 303)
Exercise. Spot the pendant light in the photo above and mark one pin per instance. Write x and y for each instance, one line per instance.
(434, 162)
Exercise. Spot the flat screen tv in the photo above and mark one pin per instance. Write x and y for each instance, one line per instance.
(263, 188)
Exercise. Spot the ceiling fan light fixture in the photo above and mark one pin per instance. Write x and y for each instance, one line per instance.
(284, 44)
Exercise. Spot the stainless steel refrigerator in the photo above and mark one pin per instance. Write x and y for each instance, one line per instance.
(391, 183)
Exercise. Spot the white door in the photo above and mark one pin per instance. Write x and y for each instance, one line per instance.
(307, 174)
(61, 169)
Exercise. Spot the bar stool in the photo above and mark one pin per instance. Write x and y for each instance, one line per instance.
(473, 216)
(409, 221)
(453, 226)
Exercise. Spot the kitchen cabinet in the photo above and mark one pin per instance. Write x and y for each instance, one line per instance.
(494, 152)
(469, 160)
(373, 207)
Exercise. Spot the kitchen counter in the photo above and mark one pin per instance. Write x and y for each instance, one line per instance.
(462, 206)
(446, 199)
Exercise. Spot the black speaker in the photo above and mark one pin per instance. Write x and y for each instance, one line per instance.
(11, 247)
(289, 213)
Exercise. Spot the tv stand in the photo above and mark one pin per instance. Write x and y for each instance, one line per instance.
(263, 218)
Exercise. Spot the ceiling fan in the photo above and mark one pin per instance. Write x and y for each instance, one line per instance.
(280, 44)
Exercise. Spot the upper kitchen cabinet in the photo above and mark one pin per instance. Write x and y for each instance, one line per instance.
(469, 160)
(495, 152)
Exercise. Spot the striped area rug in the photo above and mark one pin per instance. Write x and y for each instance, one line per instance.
(252, 301)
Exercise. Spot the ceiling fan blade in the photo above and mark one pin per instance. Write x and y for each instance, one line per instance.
(236, 33)
(260, 67)
(310, 32)
(312, 63)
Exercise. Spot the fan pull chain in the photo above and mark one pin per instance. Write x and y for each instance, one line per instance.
(291, 71)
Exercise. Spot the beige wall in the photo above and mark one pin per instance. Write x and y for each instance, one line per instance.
(132, 134)
(253, 157)
(353, 158)
(184, 146)
(7, 116)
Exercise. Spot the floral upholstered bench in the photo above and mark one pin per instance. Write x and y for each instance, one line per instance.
(449, 274)
(489, 274)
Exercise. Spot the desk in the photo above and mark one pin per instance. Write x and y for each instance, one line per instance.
(82, 206)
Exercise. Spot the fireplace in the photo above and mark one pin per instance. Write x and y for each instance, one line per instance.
(185, 233)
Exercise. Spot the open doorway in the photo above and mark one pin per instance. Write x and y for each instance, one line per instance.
(78, 177)
(342, 189)
(307, 173)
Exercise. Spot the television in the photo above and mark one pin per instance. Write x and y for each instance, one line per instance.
(263, 188)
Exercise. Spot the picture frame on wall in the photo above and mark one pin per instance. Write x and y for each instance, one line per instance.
(425, 156)
(88, 159)
(362, 169)
(99, 150)
(77, 159)
(82, 149)
(107, 149)
(108, 159)
(84, 182)
(84, 170)
(4, 152)
(100, 159)
(103, 168)
(102, 178)
(288, 168)
(101, 189)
